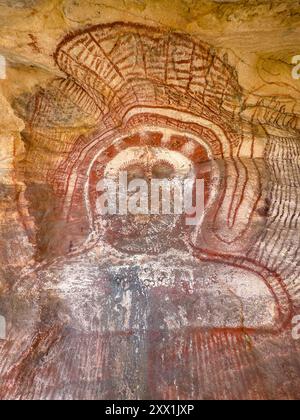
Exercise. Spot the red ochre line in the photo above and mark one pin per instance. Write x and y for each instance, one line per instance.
(194, 128)
(137, 29)
(218, 209)
(239, 262)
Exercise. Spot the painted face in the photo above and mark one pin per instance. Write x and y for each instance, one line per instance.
(160, 184)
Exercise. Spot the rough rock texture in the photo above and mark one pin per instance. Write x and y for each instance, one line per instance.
(137, 306)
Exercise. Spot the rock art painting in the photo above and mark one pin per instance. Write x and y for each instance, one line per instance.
(102, 304)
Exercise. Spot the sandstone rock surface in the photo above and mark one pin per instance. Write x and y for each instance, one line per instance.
(144, 306)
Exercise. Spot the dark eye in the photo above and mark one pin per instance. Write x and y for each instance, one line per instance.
(134, 172)
(163, 170)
